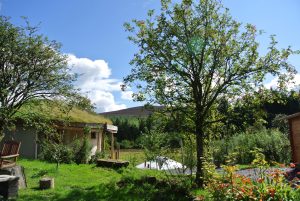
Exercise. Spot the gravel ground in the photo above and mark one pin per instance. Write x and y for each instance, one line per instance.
(255, 172)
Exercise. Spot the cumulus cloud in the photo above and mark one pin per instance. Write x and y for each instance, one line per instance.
(291, 85)
(126, 95)
(105, 101)
(95, 82)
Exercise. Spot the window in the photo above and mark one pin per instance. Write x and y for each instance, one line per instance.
(93, 135)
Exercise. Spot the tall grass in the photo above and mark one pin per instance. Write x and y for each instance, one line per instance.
(274, 145)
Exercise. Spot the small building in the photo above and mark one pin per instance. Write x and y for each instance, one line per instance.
(77, 121)
(294, 125)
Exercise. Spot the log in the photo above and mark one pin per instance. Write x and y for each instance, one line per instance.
(17, 171)
(46, 183)
(110, 163)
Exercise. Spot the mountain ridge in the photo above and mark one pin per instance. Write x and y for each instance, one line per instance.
(139, 111)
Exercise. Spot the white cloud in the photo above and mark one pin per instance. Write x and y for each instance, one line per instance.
(95, 82)
(126, 95)
(105, 101)
(97, 69)
(291, 85)
(272, 83)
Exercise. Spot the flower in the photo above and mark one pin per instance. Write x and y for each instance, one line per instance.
(272, 192)
(260, 180)
(292, 165)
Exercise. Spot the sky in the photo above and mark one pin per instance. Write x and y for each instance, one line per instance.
(92, 35)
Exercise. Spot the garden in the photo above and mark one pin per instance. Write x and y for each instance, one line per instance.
(253, 171)
(248, 181)
(201, 75)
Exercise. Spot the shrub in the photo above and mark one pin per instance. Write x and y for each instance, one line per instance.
(152, 188)
(126, 144)
(82, 150)
(97, 156)
(54, 152)
(274, 145)
(269, 185)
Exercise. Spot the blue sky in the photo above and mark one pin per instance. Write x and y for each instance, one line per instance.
(92, 32)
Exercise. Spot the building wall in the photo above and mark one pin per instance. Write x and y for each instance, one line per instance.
(71, 134)
(295, 138)
(27, 138)
(29, 148)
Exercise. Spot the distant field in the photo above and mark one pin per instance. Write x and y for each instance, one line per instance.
(134, 156)
(137, 156)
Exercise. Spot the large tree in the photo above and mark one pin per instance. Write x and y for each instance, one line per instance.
(192, 55)
(31, 66)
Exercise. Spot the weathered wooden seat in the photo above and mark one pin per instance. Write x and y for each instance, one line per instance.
(9, 154)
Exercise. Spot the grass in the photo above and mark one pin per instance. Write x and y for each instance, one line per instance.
(87, 182)
(54, 111)
(134, 156)
(137, 156)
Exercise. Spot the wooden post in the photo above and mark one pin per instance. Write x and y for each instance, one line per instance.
(118, 151)
(112, 146)
(103, 141)
(98, 141)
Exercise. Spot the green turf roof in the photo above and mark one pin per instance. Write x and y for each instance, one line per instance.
(55, 112)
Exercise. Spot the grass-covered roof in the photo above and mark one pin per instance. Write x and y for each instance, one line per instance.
(58, 111)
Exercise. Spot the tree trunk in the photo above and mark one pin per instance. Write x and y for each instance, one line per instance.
(1, 129)
(200, 149)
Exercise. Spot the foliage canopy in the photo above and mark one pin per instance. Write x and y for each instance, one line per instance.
(194, 54)
(31, 66)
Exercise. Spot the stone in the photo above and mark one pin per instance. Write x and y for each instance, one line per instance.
(17, 171)
(8, 186)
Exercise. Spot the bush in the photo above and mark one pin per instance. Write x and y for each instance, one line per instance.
(126, 144)
(152, 188)
(97, 156)
(79, 152)
(267, 185)
(82, 150)
(274, 145)
(56, 153)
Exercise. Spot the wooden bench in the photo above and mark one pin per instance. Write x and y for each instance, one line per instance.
(9, 154)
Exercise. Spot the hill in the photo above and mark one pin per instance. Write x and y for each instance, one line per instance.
(139, 111)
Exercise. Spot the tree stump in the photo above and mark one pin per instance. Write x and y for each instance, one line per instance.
(46, 183)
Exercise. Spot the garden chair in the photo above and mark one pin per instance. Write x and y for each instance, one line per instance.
(9, 154)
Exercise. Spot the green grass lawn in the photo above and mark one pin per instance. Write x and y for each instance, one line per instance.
(134, 156)
(86, 182)
(81, 182)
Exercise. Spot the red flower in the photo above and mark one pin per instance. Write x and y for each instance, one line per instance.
(272, 192)
(292, 165)
(260, 180)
